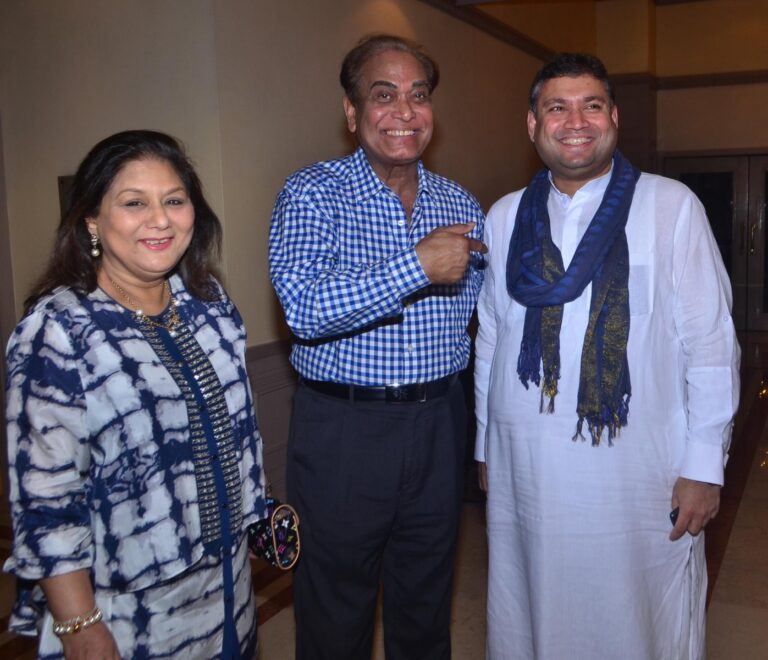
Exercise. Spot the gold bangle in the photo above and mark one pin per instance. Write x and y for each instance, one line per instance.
(77, 623)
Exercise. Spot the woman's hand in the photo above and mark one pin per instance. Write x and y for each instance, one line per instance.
(93, 643)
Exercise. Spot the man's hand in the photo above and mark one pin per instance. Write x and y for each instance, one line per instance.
(444, 252)
(699, 502)
(93, 643)
(482, 476)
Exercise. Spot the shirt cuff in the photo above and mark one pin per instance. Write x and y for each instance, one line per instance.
(704, 462)
(407, 272)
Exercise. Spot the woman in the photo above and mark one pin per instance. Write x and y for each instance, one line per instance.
(135, 459)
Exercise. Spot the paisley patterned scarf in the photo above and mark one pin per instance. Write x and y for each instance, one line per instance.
(537, 279)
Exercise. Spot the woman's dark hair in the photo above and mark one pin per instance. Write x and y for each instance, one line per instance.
(367, 47)
(71, 264)
(571, 65)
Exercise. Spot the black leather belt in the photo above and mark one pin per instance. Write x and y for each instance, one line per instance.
(413, 393)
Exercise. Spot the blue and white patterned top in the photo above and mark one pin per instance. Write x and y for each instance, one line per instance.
(101, 465)
(343, 263)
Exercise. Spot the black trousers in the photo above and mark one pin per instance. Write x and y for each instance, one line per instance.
(378, 489)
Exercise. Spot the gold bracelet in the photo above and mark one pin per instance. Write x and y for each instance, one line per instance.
(77, 623)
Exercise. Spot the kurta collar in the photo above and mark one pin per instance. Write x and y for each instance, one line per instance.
(596, 186)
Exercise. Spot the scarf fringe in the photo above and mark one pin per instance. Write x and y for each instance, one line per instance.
(528, 365)
(549, 391)
(550, 406)
(609, 420)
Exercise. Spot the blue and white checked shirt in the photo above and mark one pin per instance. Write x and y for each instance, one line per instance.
(343, 263)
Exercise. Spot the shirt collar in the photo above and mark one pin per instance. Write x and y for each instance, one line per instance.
(364, 184)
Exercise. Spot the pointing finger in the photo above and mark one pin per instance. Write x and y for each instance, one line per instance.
(459, 228)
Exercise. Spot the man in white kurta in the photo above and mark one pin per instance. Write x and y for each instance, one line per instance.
(583, 565)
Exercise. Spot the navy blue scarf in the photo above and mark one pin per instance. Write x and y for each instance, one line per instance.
(537, 279)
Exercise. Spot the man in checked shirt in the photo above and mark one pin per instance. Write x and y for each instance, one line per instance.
(377, 265)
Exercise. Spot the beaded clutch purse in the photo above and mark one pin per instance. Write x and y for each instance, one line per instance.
(275, 539)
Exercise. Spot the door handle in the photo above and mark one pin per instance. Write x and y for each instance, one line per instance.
(752, 235)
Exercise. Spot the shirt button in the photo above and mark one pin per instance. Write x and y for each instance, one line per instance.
(401, 223)
(409, 348)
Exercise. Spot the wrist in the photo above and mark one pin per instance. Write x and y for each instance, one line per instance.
(77, 623)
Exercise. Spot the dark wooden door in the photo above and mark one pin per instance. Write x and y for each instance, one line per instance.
(734, 190)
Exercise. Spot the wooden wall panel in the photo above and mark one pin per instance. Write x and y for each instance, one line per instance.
(636, 101)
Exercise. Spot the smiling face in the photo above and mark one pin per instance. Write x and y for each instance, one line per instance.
(393, 117)
(145, 223)
(575, 130)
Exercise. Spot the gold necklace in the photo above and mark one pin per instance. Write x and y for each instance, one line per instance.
(174, 320)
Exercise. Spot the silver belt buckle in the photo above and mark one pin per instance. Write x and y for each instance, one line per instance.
(397, 393)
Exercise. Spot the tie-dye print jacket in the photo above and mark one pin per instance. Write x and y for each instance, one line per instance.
(101, 471)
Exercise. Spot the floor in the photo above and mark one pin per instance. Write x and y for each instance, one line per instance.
(737, 618)
(737, 551)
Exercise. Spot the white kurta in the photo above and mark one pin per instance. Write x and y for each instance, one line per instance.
(581, 566)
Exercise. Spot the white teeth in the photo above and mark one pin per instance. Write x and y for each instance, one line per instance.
(575, 141)
(400, 133)
(156, 242)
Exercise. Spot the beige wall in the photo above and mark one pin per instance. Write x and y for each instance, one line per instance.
(637, 36)
(626, 35)
(251, 88)
(695, 38)
(561, 26)
(72, 73)
(712, 37)
(711, 118)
